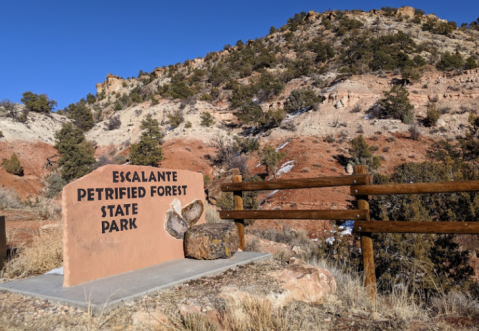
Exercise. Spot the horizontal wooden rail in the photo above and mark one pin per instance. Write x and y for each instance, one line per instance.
(416, 188)
(417, 227)
(296, 214)
(297, 183)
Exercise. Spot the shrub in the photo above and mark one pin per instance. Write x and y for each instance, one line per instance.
(188, 125)
(13, 166)
(148, 150)
(90, 98)
(55, 184)
(271, 158)
(76, 153)
(113, 123)
(414, 131)
(245, 145)
(361, 154)
(450, 61)
(176, 118)
(9, 199)
(38, 103)
(239, 162)
(432, 114)
(423, 263)
(207, 119)
(470, 63)
(299, 99)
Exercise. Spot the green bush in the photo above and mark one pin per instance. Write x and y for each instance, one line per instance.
(38, 103)
(55, 185)
(301, 98)
(470, 63)
(361, 154)
(450, 61)
(424, 263)
(118, 106)
(188, 125)
(245, 145)
(432, 114)
(148, 150)
(271, 158)
(76, 153)
(176, 118)
(207, 119)
(13, 166)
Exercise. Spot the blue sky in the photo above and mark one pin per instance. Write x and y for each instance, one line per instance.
(63, 48)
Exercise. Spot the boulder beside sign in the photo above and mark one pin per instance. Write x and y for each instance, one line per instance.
(123, 218)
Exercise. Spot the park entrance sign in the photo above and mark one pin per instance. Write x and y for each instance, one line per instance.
(122, 218)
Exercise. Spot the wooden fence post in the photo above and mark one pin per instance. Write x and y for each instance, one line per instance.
(238, 205)
(3, 242)
(366, 244)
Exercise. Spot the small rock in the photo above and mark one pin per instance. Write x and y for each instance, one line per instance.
(305, 282)
(297, 250)
(349, 169)
(149, 319)
(190, 309)
(211, 241)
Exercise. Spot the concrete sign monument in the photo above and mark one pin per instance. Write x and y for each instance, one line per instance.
(122, 218)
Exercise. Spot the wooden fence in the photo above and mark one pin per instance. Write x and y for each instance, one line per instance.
(3, 242)
(360, 188)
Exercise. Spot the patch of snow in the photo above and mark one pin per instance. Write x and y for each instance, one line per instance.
(293, 115)
(57, 271)
(345, 229)
(332, 88)
(285, 168)
(367, 117)
(282, 146)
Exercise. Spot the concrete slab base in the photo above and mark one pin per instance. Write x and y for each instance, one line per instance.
(106, 293)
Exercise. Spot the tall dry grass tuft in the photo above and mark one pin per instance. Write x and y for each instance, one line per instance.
(42, 255)
(9, 200)
(213, 216)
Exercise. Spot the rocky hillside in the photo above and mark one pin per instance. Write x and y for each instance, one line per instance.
(315, 82)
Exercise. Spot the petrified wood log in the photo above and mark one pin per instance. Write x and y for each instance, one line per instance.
(175, 224)
(192, 212)
(211, 241)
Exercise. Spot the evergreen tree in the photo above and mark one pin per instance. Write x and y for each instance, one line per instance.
(90, 98)
(13, 165)
(148, 150)
(396, 105)
(76, 153)
(38, 103)
(81, 115)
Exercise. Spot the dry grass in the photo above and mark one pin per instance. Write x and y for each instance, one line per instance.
(9, 200)
(213, 216)
(42, 255)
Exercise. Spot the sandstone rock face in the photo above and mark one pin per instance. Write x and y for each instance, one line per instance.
(349, 169)
(304, 282)
(406, 11)
(211, 241)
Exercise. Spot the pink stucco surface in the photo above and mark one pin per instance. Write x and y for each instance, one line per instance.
(93, 249)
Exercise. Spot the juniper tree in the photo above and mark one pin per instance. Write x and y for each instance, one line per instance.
(395, 104)
(13, 166)
(148, 150)
(271, 158)
(76, 152)
(38, 103)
